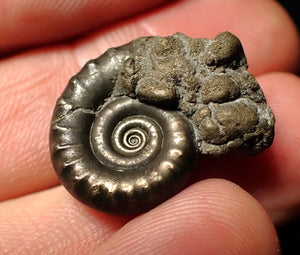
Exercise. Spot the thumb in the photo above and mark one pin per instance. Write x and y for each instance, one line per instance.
(211, 217)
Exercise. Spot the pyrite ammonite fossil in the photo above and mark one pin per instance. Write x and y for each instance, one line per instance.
(127, 130)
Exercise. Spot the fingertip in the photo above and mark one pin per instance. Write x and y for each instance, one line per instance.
(211, 217)
(34, 23)
(282, 91)
(267, 32)
(271, 39)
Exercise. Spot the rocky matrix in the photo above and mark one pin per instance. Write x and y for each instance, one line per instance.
(206, 80)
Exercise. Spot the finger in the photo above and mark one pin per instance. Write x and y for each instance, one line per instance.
(211, 217)
(282, 196)
(269, 37)
(30, 84)
(270, 45)
(28, 92)
(35, 22)
(52, 222)
(258, 29)
(272, 176)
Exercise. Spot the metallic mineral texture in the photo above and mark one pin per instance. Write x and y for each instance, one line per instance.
(127, 130)
(206, 80)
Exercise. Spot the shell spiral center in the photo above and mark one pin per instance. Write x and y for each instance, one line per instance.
(125, 142)
(129, 139)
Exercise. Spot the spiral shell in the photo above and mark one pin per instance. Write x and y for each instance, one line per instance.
(118, 155)
(126, 131)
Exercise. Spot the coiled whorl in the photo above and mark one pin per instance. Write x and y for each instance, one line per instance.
(116, 154)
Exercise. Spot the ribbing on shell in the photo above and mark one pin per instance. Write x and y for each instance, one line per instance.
(116, 154)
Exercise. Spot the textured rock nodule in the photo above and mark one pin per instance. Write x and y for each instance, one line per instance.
(206, 80)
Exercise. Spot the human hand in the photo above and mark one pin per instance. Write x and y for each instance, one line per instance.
(211, 216)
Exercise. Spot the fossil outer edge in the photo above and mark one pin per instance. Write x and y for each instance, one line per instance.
(126, 131)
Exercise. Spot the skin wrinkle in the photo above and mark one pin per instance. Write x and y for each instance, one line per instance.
(226, 223)
(33, 118)
(79, 224)
(147, 28)
(210, 207)
(37, 17)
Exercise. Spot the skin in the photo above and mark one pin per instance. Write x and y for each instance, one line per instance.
(232, 204)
